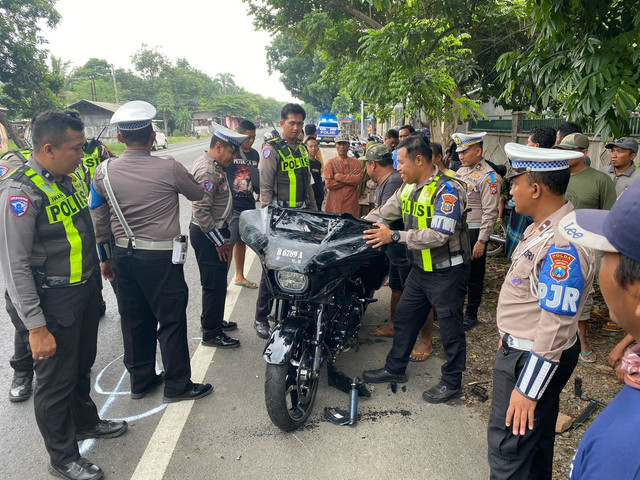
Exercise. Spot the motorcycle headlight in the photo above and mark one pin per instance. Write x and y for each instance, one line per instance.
(292, 281)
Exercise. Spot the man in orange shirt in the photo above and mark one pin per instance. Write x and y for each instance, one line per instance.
(342, 175)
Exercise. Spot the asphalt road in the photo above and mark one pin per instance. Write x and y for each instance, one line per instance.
(228, 435)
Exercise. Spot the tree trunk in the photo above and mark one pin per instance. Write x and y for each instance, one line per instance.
(20, 142)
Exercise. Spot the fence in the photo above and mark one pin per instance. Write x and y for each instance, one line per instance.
(505, 123)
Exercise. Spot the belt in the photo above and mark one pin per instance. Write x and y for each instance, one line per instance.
(527, 345)
(145, 244)
(474, 224)
(452, 262)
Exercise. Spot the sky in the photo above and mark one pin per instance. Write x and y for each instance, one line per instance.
(215, 36)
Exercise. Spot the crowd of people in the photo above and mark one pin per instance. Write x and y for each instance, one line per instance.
(66, 226)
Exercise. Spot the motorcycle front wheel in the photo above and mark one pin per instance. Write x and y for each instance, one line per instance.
(290, 391)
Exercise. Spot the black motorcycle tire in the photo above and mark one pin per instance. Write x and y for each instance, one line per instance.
(280, 387)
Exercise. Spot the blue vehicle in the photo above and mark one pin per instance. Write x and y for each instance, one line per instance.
(328, 128)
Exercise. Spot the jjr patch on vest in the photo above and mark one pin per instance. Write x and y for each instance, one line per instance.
(560, 282)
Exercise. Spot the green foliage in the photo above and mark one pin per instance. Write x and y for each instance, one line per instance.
(420, 56)
(301, 73)
(343, 105)
(27, 83)
(583, 62)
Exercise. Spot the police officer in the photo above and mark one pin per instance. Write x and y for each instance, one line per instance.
(543, 293)
(483, 190)
(210, 233)
(21, 361)
(143, 214)
(432, 207)
(285, 181)
(47, 255)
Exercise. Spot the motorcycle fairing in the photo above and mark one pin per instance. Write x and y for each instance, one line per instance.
(283, 339)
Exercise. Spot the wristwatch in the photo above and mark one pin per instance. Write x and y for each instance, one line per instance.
(483, 242)
(395, 236)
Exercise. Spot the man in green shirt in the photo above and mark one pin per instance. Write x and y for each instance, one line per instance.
(588, 188)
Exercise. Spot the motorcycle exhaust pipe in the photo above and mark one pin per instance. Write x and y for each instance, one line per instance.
(497, 239)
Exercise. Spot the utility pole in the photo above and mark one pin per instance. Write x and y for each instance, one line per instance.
(362, 119)
(115, 85)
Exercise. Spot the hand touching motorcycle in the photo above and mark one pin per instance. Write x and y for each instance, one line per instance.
(376, 237)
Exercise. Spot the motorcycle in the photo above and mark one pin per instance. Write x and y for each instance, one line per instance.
(321, 275)
(356, 147)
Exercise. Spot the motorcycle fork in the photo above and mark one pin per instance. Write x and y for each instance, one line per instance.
(318, 342)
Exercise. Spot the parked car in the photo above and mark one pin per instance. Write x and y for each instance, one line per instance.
(161, 139)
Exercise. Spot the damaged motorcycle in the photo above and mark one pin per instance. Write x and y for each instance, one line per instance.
(321, 275)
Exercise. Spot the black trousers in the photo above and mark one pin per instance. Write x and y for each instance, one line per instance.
(213, 278)
(61, 399)
(475, 285)
(21, 361)
(152, 300)
(528, 456)
(443, 291)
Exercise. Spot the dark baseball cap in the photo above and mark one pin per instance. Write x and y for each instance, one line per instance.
(615, 230)
(624, 142)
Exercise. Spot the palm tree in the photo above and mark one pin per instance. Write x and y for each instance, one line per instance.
(227, 83)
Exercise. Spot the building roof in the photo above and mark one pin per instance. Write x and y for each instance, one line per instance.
(110, 107)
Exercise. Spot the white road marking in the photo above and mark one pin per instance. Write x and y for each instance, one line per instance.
(156, 457)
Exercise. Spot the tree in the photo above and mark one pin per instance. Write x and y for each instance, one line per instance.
(27, 85)
(342, 104)
(152, 65)
(301, 73)
(420, 53)
(226, 82)
(583, 61)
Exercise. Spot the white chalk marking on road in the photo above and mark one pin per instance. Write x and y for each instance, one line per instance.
(157, 455)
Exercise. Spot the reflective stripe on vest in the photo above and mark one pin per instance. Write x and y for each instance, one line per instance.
(291, 164)
(422, 210)
(61, 209)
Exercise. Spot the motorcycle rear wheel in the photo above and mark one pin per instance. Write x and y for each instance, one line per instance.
(289, 394)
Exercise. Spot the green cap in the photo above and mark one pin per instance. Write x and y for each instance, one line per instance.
(573, 141)
(378, 153)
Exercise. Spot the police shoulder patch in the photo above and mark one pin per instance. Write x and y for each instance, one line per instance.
(560, 283)
(266, 152)
(3, 170)
(446, 214)
(208, 185)
(18, 204)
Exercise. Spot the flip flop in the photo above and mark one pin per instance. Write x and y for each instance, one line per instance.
(422, 354)
(584, 357)
(612, 327)
(602, 314)
(247, 285)
(379, 332)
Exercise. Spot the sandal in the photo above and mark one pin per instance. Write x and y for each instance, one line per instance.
(380, 332)
(247, 285)
(612, 327)
(584, 357)
(602, 314)
(414, 356)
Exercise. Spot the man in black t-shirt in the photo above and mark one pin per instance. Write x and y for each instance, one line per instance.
(243, 180)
